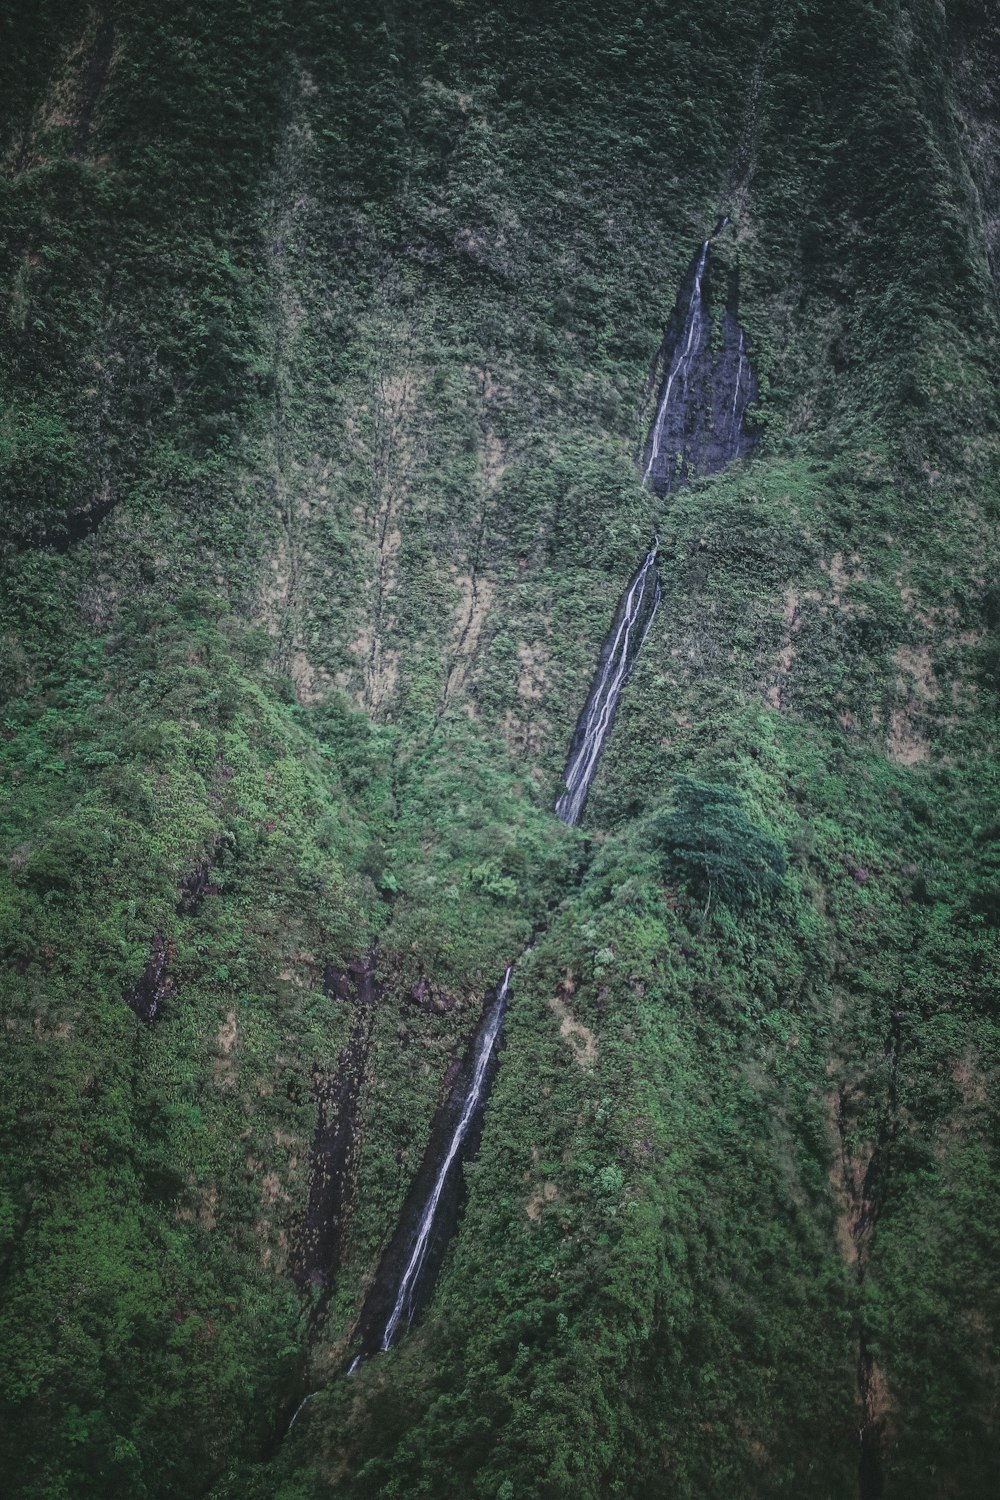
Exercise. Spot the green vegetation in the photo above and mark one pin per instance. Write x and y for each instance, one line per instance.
(709, 840)
(327, 335)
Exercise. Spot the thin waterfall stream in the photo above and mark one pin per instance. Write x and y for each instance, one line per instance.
(681, 368)
(629, 629)
(699, 427)
(404, 1303)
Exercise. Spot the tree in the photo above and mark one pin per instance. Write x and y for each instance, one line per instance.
(708, 841)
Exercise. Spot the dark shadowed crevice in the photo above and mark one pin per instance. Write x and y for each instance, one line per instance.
(96, 68)
(408, 1271)
(867, 1206)
(319, 1236)
(75, 527)
(154, 985)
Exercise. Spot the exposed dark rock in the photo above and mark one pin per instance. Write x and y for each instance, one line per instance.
(339, 984)
(148, 993)
(75, 526)
(318, 1237)
(194, 887)
(429, 998)
(436, 1197)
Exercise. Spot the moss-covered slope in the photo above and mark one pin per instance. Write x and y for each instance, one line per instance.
(328, 355)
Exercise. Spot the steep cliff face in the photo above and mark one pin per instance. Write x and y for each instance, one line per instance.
(334, 352)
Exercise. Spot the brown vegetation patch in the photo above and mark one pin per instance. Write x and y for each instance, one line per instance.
(277, 588)
(786, 654)
(388, 446)
(908, 740)
(71, 100)
(906, 743)
(312, 683)
(531, 675)
(223, 1066)
(273, 1189)
(840, 576)
(969, 1079)
(580, 1038)
(878, 1402)
(526, 731)
(917, 664)
(546, 1192)
(475, 595)
(206, 1201)
(525, 736)
(227, 1034)
(847, 1180)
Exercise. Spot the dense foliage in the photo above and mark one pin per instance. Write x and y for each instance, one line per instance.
(708, 840)
(326, 359)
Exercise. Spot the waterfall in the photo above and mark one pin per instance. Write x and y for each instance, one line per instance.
(683, 395)
(736, 422)
(698, 428)
(617, 663)
(630, 627)
(682, 364)
(298, 1410)
(707, 387)
(404, 1303)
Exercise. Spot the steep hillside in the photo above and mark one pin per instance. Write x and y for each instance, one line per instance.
(335, 338)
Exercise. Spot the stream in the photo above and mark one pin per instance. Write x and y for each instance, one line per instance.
(430, 1213)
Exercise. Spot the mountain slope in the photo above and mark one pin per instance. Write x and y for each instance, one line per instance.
(330, 358)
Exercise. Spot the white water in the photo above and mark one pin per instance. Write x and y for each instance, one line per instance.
(735, 421)
(604, 699)
(295, 1415)
(682, 363)
(483, 1054)
(579, 774)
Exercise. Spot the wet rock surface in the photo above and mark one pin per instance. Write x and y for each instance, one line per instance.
(149, 992)
(407, 1275)
(622, 644)
(706, 385)
(318, 1237)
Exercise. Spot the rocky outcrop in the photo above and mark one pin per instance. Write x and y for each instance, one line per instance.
(149, 992)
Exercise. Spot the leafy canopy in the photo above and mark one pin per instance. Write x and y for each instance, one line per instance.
(708, 841)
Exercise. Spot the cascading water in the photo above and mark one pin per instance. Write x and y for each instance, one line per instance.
(380, 1325)
(405, 1278)
(690, 346)
(736, 422)
(700, 419)
(405, 1303)
(699, 427)
(628, 632)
